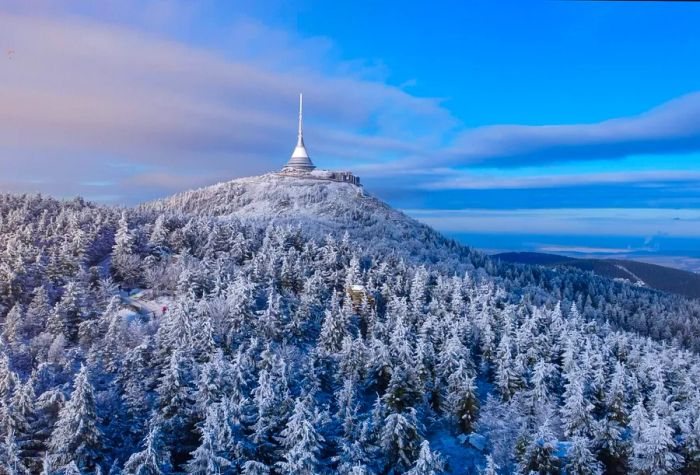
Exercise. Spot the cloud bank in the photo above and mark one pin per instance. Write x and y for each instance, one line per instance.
(114, 113)
(566, 221)
(471, 181)
(670, 128)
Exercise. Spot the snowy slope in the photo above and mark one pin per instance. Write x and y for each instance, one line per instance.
(274, 195)
(320, 207)
(263, 356)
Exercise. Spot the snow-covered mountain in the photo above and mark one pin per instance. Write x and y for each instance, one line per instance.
(290, 325)
(321, 207)
(277, 195)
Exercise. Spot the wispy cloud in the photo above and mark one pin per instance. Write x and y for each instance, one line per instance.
(669, 128)
(560, 249)
(473, 181)
(79, 94)
(123, 103)
(566, 221)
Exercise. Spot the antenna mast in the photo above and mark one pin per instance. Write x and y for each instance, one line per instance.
(301, 110)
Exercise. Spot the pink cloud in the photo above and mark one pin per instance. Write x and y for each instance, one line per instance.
(82, 93)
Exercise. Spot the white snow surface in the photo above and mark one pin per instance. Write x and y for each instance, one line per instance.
(637, 280)
(274, 195)
(320, 207)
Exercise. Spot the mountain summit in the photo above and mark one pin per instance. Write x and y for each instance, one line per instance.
(320, 205)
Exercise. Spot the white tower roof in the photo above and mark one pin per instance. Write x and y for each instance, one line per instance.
(300, 157)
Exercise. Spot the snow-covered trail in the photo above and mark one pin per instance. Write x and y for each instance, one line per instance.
(638, 280)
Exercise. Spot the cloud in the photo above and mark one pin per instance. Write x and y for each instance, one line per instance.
(472, 181)
(673, 127)
(81, 96)
(565, 221)
(115, 97)
(561, 249)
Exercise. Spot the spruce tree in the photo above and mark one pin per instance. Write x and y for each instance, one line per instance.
(580, 460)
(175, 391)
(253, 467)
(77, 436)
(154, 459)
(400, 439)
(11, 462)
(576, 412)
(215, 380)
(356, 452)
(210, 456)
(158, 240)
(38, 312)
(125, 261)
(691, 447)
(490, 468)
(271, 400)
(506, 376)
(539, 455)
(333, 328)
(428, 462)
(461, 402)
(301, 441)
(69, 312)
(21, 411)
(653, 451)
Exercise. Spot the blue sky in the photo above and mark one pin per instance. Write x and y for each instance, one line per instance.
(534, 125)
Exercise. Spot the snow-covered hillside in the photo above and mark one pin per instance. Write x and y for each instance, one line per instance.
(293, 326)
(375, 230)
(321, 207)
(276, 195)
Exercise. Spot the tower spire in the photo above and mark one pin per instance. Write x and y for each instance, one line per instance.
(300, 158)
(300, 137)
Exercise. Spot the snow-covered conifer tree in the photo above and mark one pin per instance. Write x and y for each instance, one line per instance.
(158, 240)
(69, 312)
(215, 380)
(271, 321)
(271, 398)
(210, 456)
(154, 459)
(428, 462)
(10, 457)
(653, 451)
(490, 468)
(77, 436)
(334, 327)
(461, 402)
(400, 439)
(125, 261)
(301, 441)
(576, 412)
(506, 376)
(580, 460)
(253, 467)
(356, 452)
(21, 410)
(539, 455)
(175, 391)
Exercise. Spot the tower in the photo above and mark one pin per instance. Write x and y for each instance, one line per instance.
(300, 158)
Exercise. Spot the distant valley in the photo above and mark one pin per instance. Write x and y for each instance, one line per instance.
(653, 276)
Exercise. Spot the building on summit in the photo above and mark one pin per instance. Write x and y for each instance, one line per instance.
(300, 163)
(300, 159)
